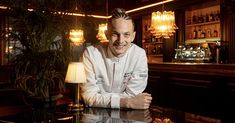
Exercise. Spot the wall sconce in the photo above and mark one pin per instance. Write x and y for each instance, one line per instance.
(163, 24)
(75, 74)
(76, 36)
(101, 33)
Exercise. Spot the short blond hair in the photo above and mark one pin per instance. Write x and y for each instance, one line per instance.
(120, 13)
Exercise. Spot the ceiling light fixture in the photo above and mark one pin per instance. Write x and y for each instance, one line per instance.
(101, 33)
(163, 24)
(76, 35)
(103, 27)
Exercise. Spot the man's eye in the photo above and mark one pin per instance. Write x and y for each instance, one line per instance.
(114, 35)
(127, 35)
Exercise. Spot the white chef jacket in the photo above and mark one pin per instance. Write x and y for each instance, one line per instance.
(110, 78)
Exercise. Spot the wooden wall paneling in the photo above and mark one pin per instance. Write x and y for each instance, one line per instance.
(2, 26)
(6, 76)
(231, 32)
(168, 49)
(228, 27)
(158, 89)
(180, 22)
(206, 88)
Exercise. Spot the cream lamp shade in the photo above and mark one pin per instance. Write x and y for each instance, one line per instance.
(75, 73)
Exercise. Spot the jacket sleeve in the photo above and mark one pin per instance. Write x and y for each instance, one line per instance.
(137, 81)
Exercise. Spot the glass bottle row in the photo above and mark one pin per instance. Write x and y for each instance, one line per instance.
(200, 17)
(200, 32)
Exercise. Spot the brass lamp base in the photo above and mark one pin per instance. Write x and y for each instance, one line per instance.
(75, 107)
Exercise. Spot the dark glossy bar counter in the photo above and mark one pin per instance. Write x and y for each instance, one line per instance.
(203, 88)
(203, 68)
(182, 93)
(155, 114)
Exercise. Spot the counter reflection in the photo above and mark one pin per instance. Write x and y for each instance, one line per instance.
(102, 115)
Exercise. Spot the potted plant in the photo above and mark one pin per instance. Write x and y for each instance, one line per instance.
(43, 55)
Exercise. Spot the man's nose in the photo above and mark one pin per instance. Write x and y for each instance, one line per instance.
(120, 38)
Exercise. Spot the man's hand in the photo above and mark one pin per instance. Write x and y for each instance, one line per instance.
(137, 115)
(140, 101)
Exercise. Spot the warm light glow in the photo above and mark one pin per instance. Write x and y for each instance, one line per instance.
(76, 36)
(101, 33)
(31, 10)
(148, 6)
(99, 16)
(106, 17)
(163, 24)
(9, 49)
(75, 73)
(3, 7)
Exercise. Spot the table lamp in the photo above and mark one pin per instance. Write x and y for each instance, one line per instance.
(75, 74)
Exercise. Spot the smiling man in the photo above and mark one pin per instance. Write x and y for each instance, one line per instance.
(121, 34)
(116, 71)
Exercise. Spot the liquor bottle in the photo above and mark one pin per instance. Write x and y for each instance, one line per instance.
(211, 17)
(154, 50)
(153, 39)
(203, 18)
(208, 33)
(200, 18)
(194, 18)
(190, 36)
(146, 49)
(207, 17)
(203, 33)
(215, 33)
(159, 49)
(189, 20)
(194, 33)
(199, 32)
(217, 15)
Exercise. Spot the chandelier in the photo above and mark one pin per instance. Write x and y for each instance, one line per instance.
(103, 27)
(163, 24)
(101, 33)
(76, 36)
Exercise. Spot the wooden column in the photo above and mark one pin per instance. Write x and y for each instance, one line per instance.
(228, 27)
(138, 29)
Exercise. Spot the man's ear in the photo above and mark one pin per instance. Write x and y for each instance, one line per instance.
(133, 36)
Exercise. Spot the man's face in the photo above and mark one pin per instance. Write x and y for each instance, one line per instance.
(121, 34)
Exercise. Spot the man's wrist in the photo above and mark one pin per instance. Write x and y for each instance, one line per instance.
(124, 102)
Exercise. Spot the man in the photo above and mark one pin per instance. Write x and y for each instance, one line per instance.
(117, 71)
